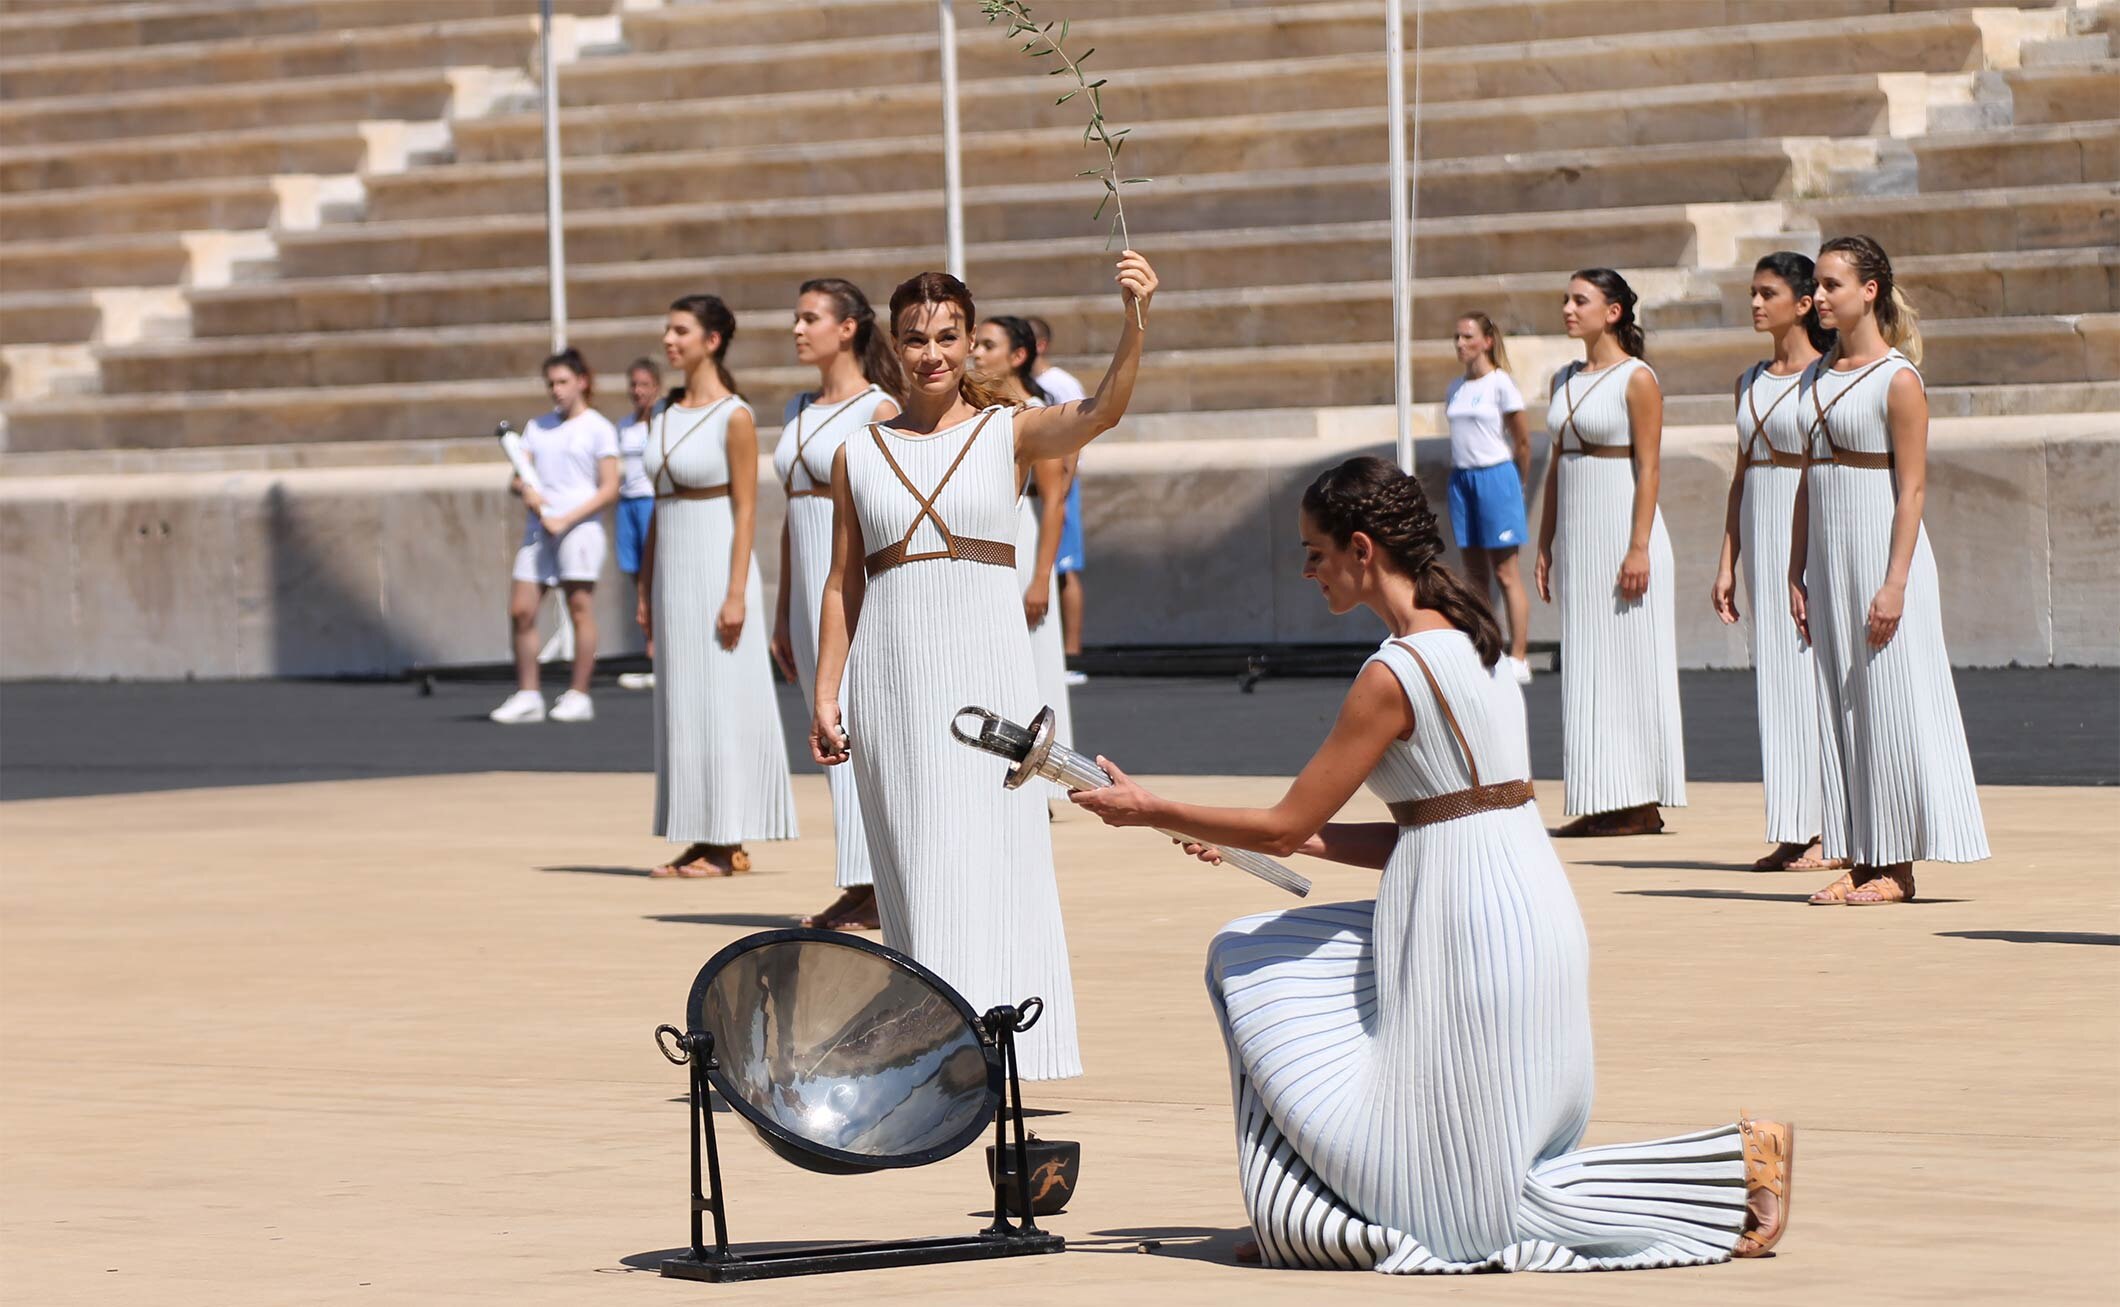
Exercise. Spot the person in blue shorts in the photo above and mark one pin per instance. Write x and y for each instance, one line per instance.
(636, 496)
(1062, 386)
(1490, 468)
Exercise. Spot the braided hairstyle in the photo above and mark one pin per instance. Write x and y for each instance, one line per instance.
(716, 320)
(1615, 289)
(942, 288)
(1370, 495)
(879, 363)
(1801, 277)
(1021, 335)
(1896, 319)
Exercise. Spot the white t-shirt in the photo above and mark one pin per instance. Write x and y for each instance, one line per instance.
(565, 454)
(633, 480)
(1061, 385)
(1476, 409)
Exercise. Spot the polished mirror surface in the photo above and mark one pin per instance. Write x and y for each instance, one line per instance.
(844, 1055)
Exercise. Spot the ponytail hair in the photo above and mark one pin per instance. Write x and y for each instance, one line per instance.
(943, 289)
(1021, 335)
(1801, 277)
(571, 359)
(716, 320)
(1370, 495)
(879, 362)
(1615, 289)
(1897, 321)
(1497, 354)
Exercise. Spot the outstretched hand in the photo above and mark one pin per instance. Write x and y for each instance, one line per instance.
(1121, 803)
(1137, 282)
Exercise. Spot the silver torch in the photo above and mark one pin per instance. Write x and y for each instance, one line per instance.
(1032, 751)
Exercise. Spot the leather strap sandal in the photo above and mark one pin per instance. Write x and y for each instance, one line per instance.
(690, 865)
(1835, 894)
(1895, 886)
(1770, 1167)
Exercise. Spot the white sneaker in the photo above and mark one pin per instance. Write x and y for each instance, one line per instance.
(636, 680)
(573, 706)
(1076, 678)
(517, 709)
(1520, 669)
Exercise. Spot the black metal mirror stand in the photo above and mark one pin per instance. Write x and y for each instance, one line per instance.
(722, 1264)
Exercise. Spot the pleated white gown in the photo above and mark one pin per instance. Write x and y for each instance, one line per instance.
(964, 868)
(810, 436)
(1784, 680)
(1411, 1075)
(1898, 780)
(721, 760)
(1621, 741)
(1048, 649)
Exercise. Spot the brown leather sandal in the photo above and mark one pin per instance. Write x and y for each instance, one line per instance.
(1894, 886)
(1835, 894)
(1770, 1167)
(1643, 819)
(689, 865)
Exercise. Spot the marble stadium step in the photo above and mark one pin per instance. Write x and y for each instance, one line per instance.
(501, 42)
(119, 27)
(2063, 93)
(2044, 155)
(1502, 192)
(1208, 260)
(1915, 42)
(331, 148)
(2003, 284)
(236, 204)
(113, 316)
(2082, 216)
(2057, 351)
(155, 259)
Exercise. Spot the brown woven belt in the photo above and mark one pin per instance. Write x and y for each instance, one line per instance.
(1498, 797)
(1776, 458)
(809, 494)
(1602, 451)
(694, 492)
(1856, 458)
(965, 547)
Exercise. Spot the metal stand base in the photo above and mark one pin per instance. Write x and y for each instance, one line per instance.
(823, 1258)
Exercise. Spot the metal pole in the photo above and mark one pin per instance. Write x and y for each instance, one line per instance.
(1401, 232)
(952, 162)
(555, 216)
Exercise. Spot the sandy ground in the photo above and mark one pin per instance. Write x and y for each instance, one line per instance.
(389, 1042)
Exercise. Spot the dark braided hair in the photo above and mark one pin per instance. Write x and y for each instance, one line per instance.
(1801, 277)
(1370, 495)
(879, 362)
(1021, 335)
(1615, 289)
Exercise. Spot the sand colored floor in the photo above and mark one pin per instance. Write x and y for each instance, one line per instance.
(388, 1042)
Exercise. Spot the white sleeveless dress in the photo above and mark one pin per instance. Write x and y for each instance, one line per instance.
(1621, 742)
(810, 435)
(1048, 648)
(1770, 422)
(1411, 1074)
(721, 759)
(964, 868)
(1898, 780)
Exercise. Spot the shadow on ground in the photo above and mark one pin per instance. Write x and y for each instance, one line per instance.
(2032, 936)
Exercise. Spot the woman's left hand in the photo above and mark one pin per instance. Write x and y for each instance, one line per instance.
(1885, 610)
(1137, 282)
(1634, 574)
(728, 627)
(1121, 803)
(1037, 599)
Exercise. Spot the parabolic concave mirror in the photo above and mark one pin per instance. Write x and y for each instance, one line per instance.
(844, 1055)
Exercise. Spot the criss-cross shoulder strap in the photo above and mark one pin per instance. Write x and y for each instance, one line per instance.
(1449, 718)
(1574, 402)
(662, 440)
(954, 546)
(1821, 426)
(803, 437)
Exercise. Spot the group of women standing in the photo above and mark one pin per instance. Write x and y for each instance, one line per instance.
(1863, 750)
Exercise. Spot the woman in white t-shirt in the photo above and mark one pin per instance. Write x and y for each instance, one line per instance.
(1490, 469)
(636, 494)
(574, 451)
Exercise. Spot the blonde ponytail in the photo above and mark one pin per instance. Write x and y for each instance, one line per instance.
(1896, 320)
(1901, 326)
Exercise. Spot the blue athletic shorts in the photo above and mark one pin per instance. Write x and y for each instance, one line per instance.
(1487, 507)
(633, 518)
(1069, 559)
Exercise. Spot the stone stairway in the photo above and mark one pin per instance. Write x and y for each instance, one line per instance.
(317, 225)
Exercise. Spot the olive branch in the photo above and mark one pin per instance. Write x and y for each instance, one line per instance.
(1044, 41)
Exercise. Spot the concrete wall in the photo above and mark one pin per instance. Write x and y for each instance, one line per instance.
(326, 571)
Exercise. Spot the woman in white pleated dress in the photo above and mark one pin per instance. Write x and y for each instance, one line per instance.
(923, 613)
(858, 382)
(1003, 352)
(1898, 780)
(1412, 1075)
(721, 761)
(1770, 461)
(1602, 547)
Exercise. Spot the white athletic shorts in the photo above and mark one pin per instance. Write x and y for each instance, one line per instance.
(575, 556)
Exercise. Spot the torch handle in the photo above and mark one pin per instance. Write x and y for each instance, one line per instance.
(1258, 864)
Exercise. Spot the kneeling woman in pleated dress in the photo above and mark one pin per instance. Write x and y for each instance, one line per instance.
(1412, 1074)
(721, 762)
(1602, 547)
(923, 611)
(1898, 779)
